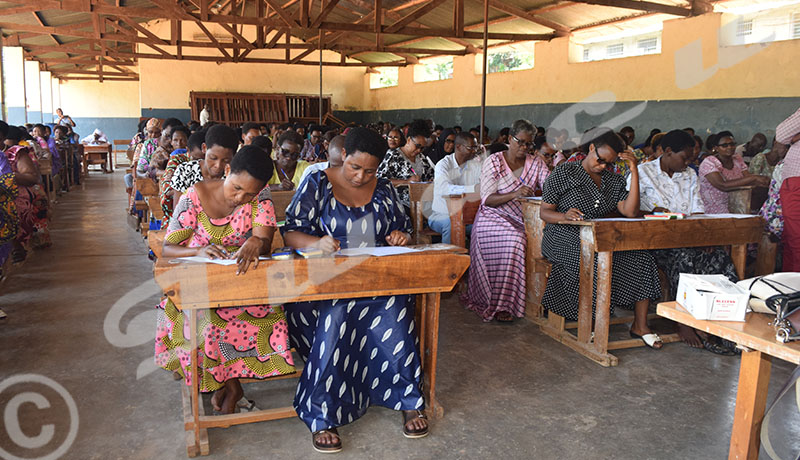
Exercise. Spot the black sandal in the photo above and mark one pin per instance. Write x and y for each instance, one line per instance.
(414, 434)
(326, 448)
(717, 348)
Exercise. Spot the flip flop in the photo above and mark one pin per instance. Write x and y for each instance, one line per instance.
(326, 448)
(414, 434)
(246, 405)
(718, 348)
(649, 339)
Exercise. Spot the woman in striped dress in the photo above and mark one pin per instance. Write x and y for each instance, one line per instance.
(497, 247)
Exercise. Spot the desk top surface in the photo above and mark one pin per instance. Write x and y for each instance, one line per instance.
(199, 285)
(754, 333)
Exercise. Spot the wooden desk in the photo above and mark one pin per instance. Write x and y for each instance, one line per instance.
(751, 397)
(194, 287)
(98, 154)
(603, 237)
(463, 209)
(281, 200)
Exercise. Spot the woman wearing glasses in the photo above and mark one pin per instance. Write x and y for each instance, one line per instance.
(444, 146)
(395, 138)
(407, 163)
(497, 246)
(589, 190)
(723, 171)
(544, 150)
(288, 165)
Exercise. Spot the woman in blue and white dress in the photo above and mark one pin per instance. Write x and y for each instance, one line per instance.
(358, 352)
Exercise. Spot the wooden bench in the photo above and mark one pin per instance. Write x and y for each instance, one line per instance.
(537, 267)
(196, 287)
(748, 200)
(97, 154)
(152, 203)
(420, 194)
(462, 209)
(46, 170)
(120, 146)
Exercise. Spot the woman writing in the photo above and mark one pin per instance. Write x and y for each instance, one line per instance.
(497, 247)
(226, 219)
(289, 167)
(588, 190)
(360, 352)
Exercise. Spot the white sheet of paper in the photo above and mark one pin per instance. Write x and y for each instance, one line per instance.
(722, 216)
(619, 219)
(376, 251)
(206, 260)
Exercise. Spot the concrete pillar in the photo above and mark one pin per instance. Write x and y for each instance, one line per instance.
(14, 85)
(47, 97)
(55, 85)
(33, 92)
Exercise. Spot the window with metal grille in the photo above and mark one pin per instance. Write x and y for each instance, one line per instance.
(615, 50)
(648, 45)
(744, 28)
(384, 78)
(585, 54)
(796, 25)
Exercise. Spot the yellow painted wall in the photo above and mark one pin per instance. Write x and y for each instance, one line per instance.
(675, 74)
(92, 99)
(165, 84)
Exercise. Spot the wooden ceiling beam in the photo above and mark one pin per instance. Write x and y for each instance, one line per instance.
(41, 23)
(560, 29)
(213, 40)
(235, 33)
(650, 7)
(326, 10)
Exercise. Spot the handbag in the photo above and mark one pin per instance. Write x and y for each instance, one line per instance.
(777, 294)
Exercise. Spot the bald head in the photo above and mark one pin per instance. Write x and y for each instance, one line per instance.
(336, 151)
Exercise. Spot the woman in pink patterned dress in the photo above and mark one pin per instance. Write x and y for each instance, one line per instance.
(723, 171)
(497, 248)
(232, 218)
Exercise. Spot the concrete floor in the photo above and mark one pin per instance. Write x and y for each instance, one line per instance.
(508, 391)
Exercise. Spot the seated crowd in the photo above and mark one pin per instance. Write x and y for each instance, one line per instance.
(352, 188)
(41, 162)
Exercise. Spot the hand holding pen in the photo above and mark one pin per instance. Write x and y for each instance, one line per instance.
(328, 244)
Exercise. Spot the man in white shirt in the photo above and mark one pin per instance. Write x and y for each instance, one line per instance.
(457, 173)
(205, 115)
(335, 157)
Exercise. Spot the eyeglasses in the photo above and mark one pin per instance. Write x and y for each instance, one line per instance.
(418, 146)
(727, 145)
(527, 145)
(393, 137)
(601, 160)
(289, 153)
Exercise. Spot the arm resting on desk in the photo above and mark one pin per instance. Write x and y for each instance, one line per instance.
(719, 182)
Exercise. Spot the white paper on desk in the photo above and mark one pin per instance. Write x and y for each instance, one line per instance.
(460, 189)
(617, 219)
(722, 216)
(206, 260)
(377, 251)
(532, 198)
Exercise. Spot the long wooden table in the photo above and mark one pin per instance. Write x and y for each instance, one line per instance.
(193, 287)
(758, 337)
(600, 238)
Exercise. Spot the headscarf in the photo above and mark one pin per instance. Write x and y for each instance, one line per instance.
(438, 150)
(153, 123)
(101, 138)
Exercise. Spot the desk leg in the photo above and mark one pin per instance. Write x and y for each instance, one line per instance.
(603, 309)
(429, 347)
(751, 400)
(586, 284)
(193, 438)
(739, 256)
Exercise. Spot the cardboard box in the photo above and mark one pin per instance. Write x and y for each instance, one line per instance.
(712, 297)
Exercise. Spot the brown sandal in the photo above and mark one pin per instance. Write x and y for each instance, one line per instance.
(414, 434)
(326, 448)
